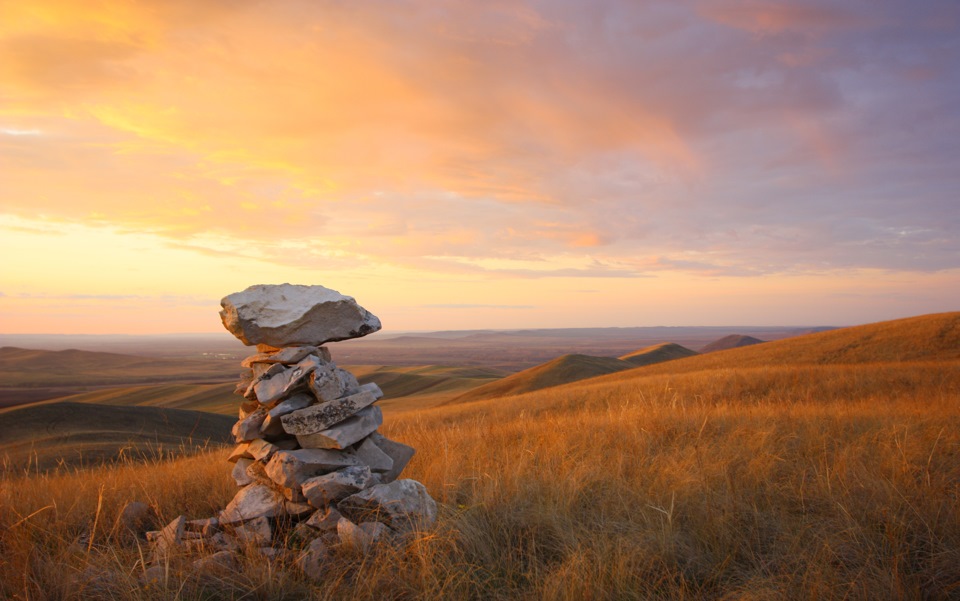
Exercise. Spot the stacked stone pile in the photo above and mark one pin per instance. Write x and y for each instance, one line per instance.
(308, 453)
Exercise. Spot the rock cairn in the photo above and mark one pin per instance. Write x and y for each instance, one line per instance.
(309, 461)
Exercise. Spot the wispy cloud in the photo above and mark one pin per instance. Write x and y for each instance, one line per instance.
(476, 306)
(20, 132)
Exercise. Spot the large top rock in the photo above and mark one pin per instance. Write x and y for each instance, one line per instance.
(288, 315)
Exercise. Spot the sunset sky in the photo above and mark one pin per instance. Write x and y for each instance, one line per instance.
(479, 164)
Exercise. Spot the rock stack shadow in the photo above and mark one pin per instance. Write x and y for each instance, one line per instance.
(309, 461)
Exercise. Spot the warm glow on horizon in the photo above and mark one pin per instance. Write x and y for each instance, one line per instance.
(479, 164)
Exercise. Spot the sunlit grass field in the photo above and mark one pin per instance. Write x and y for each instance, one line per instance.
(727, 479)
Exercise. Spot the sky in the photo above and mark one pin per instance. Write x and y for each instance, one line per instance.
(479, 164)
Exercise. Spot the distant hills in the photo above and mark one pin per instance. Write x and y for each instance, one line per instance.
(211, 398)
(515, 350)
(657, 353)
(29, 367)
(562, 370)
(424, 380)
(29, 375)
(124, 414)
(729, 342)
(925, 338)
(573, 368)
(45, 435)
(934, 337)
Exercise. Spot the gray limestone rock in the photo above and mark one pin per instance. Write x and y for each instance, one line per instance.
(324, 520)
(298, 509)
(247, 407)
(321, 416)
(290, 315)
(402, 505)
(257, 472)
(361, 537)
(170, 538)
(205, 527)
(331, 382)
(256, 532)
(293, 495)
(239, 452)
(313, 561)
(369, 387)
(272, 424)
(324, 383)
(239, 472)
(290, 468)
(397, 451)
(248, 428)
(261, 450)
(287, 356)
(321, 491)
(372, 456)
(343, 434)
(254, 501)
(272, 387)
(266, 370)
(219, 561)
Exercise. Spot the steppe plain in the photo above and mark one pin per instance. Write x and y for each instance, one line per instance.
(821, 464)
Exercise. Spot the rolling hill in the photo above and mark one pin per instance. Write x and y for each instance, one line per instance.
(729, 342)
(933, 337)
(657, 353)
(28, 367)
(562, 370)
(422, 386)
(211, 398)
(45, 435)
(28, 375)
(573, 368)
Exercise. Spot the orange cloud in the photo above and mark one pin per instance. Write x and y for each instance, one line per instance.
(775, 16)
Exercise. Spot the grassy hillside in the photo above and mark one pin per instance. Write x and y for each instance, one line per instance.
(562, 370)
(711, 477)
(423, 386)
(572, 368)
(43, 436)
(925, 338)
(658, 353)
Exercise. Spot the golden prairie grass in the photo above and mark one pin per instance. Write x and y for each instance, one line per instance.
(562, 370)
(805, 482)
(925, 338)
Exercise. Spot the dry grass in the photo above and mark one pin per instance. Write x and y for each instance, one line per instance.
(764, 482)
(565, 369)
